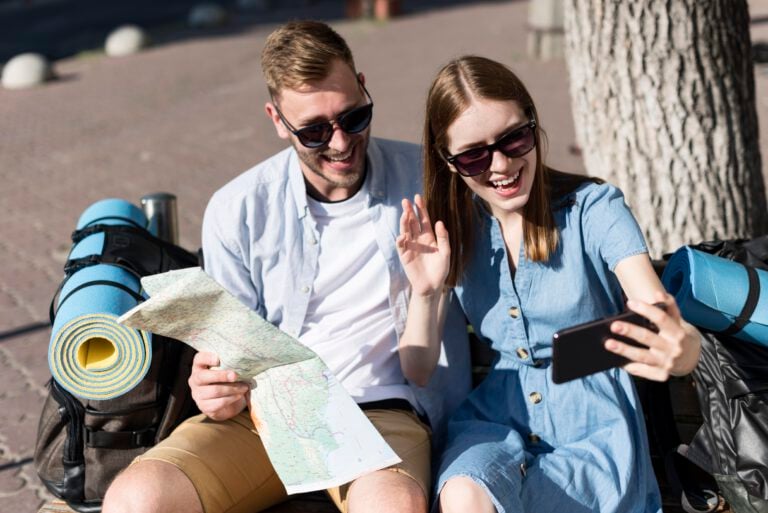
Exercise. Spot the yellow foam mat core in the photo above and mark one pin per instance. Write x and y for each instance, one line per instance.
(96, 354)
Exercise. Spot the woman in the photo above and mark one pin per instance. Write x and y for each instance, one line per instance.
(530, 250)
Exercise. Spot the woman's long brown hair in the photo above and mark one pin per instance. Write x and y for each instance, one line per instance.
(446, 196)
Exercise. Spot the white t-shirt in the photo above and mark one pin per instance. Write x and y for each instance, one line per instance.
(349, 322)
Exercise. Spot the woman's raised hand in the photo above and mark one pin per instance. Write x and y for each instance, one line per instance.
(425, 253)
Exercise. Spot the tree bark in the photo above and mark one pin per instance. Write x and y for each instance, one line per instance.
(663, 100)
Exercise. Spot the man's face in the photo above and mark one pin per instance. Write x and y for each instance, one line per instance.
(336, 170)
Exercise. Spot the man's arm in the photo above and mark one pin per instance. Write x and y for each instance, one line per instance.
(216, 392)
(223, 249)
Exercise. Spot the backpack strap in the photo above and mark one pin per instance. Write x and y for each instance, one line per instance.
(120, 439)
(133, 248)
(84, 232)
(753, 296)
(75, 264)
(130, 247)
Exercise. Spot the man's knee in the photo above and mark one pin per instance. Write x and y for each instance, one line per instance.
(151, 486)
(386, 491)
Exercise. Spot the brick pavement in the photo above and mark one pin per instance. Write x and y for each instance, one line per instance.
(185, 117)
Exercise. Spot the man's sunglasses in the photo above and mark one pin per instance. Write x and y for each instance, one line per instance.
(316, 135)
(514, 144)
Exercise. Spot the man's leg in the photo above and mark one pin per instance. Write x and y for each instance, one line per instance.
(203, 466)
(403, 488)
(145, 486)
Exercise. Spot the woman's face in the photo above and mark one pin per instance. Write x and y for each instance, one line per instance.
(506, 185)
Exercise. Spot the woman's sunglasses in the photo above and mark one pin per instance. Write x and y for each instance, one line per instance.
(353, 121)
(514, 144)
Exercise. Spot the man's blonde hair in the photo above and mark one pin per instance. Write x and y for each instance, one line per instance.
(300, 52)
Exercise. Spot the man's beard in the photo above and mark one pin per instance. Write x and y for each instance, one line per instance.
(313, 161)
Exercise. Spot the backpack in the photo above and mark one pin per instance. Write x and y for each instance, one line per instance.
(730, 448)
(82, 444)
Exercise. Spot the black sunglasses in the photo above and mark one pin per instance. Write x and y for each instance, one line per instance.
(316, 135)
(514, 144)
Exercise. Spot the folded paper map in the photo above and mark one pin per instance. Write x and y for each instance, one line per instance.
(314, 433)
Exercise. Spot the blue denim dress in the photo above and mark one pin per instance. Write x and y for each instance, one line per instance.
(533, 445)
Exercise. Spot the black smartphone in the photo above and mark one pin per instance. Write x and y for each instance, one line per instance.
(579, 350)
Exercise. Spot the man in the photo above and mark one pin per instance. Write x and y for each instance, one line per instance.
(307, 239)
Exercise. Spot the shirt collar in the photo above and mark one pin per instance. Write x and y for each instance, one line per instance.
(375, 182)
(296, 183)
(377, 172)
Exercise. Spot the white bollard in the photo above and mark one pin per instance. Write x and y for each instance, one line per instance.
(125, 40)
(26, 70)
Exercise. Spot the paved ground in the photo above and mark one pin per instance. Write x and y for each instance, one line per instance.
(185, 117)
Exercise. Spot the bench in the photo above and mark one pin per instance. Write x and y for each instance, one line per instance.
(675, 398)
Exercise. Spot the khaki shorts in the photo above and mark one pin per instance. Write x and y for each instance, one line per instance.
(229, 468)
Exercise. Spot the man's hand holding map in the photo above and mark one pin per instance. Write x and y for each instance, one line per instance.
(314, 433)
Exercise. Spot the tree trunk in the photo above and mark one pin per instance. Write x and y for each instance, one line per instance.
(664, 106)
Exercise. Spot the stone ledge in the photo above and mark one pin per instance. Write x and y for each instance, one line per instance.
(305, 503)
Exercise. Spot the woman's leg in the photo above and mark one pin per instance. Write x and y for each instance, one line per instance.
(461, 494)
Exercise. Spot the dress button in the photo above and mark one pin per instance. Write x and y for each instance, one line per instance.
(514, 312)
(534, 438)
(535, 397)
(305, 289)
(522, 353)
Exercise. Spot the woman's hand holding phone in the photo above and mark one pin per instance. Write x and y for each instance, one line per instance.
(672, 351)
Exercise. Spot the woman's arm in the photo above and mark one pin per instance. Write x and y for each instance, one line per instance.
(675, 349)
(425, 255)
(420, 343)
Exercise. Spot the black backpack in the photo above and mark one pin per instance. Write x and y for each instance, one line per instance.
(83, 444)
(729, 452)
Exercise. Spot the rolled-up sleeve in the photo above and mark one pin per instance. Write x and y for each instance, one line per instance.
(609, 227)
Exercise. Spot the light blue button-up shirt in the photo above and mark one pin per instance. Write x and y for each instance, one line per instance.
(261, 243)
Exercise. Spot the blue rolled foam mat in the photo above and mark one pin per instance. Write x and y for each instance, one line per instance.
(711, 292)
(90, 354)
(112, 211)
